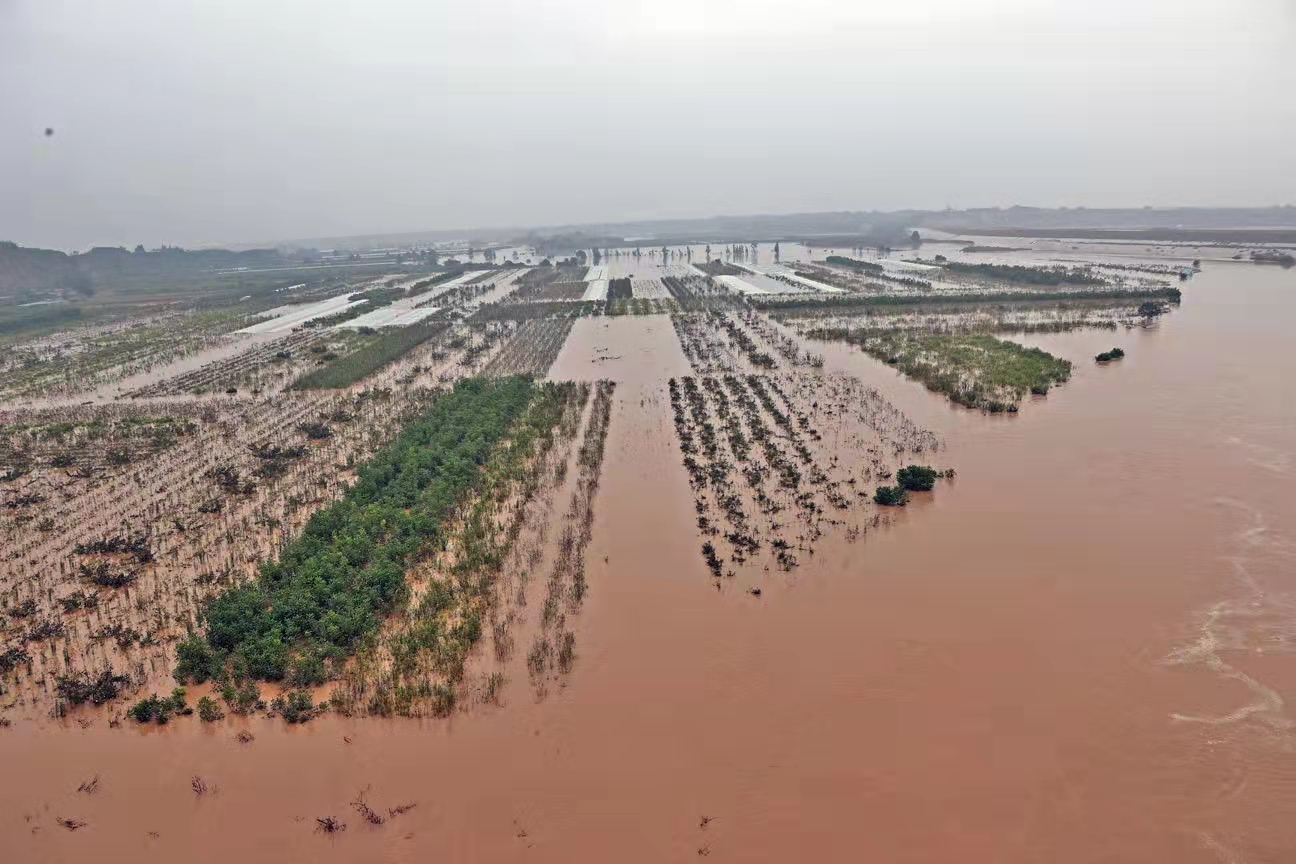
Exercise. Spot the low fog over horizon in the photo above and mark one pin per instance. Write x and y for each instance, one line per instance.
(192, 124)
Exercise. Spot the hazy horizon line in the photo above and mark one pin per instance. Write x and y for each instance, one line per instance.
(576, 227)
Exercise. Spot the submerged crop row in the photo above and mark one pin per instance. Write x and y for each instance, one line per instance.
(532, 348)
(332, 583)
(416, 664)
(385, 348)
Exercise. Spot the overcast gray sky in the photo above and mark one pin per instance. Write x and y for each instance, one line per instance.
(191, 122)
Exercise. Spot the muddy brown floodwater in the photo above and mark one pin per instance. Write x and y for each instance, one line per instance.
(1079, 650)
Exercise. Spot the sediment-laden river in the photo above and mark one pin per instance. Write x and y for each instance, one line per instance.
(1079, 650)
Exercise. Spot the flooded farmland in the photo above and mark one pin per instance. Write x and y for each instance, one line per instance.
(1078, 649)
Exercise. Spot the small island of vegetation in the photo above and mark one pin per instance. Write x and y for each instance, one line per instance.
(976, 370)
(911, 478)
(917, 478)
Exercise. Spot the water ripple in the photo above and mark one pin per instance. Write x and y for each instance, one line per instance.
(1259, 621)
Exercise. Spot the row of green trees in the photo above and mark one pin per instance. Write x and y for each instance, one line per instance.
(855, 264)
(429, 643)
(1050, 276)
(847, 302)
(333, 583)
(537, 309)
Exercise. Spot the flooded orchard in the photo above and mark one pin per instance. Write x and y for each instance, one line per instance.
(1077, 649)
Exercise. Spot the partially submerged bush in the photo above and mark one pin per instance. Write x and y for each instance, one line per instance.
(1113, 354)
(297, 707)
(712, 560)
(107, 575)
(890, 496)
(917, 478)
(443, 699)
(197, 661)
(79, 600)
(149, 709)
(307, 669)
(25, 609)
(315, 431)
(241, 698)
(159, 709)
(44, 629)
(209, 710)
(11, 658)
(79, 687)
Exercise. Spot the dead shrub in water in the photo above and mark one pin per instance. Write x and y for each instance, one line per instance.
(366, 812)
(538, 656)
(25, 609)
(11, 658)
(79, 687)
(315, 431)
(566, 651)
(104, 575)
(443, 700)
(43, 630)
(494, 683)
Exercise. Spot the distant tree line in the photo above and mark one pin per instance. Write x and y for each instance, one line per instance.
(1051, 276)
(781, 302)
(619, 289)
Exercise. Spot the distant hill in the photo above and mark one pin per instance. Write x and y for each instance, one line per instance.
(895, 223)
(28, 275)
(37, 274)
(1146, 218)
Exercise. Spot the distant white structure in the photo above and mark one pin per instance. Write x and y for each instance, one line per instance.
(403, 312)
(785, 273)
(285, 318)
(742, 286)
(390, 316)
